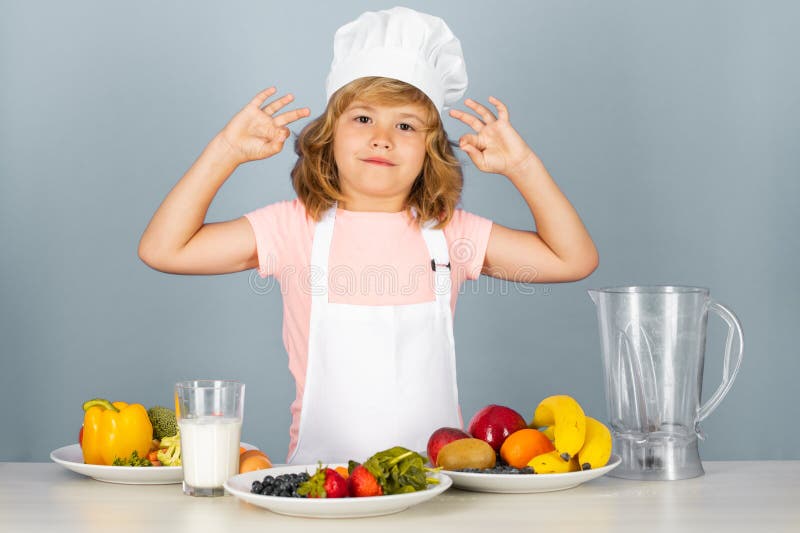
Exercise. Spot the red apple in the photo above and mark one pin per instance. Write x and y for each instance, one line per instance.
(494, 423)
(439, 438)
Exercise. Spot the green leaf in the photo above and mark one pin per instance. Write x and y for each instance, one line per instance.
(351, 465)
(398, 470)
(315, 486)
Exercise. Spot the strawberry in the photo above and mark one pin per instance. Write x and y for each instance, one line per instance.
(363, 483)
(325, 483)
(335, 484)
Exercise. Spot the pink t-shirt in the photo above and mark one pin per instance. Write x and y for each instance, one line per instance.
(376, 258)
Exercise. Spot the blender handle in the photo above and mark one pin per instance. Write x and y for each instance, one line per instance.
(727, 375)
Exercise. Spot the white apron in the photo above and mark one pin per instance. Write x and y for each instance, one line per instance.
(377, 376)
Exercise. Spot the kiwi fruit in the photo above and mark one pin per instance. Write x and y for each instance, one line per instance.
(466, 453)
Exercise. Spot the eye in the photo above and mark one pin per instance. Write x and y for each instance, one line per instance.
(410, 127)
(358, 118)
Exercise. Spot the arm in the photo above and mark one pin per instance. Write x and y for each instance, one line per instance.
(561, 250)
(177, 240)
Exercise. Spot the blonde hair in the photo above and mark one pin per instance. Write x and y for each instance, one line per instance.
(436, 191)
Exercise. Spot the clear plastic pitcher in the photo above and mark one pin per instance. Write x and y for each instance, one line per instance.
(653, 345)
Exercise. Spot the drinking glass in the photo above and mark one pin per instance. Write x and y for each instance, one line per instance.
(210, 414)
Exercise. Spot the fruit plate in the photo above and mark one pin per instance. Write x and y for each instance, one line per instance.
(239, 486)
(526, 483)
(71, 458)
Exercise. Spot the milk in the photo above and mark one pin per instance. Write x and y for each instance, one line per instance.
(209, 450)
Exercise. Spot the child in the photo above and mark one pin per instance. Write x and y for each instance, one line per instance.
(377, 184)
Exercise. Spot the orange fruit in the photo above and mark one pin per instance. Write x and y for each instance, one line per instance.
(523, 445)
(253, 460)
(343, 471)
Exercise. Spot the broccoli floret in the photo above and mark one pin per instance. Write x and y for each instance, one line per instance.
(164, 422)
(133, 460)
(171, 456)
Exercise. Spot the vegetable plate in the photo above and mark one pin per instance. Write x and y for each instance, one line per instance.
(71, 458)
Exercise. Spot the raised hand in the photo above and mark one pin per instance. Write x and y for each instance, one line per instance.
(495, 146)
(257, 132)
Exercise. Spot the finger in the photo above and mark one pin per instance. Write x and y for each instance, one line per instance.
(485, 114)
(472, 152)
(278, 141)
(468, 141)
(467, 119)
(262, 96)
(271, 108)
(281, 134)
(502, 110)
(291, 116)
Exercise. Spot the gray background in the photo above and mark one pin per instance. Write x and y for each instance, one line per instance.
(672, 127)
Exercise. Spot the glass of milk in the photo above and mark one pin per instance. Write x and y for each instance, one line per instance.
(210, 414)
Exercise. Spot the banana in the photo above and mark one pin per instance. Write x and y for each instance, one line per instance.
(549, 432)
(552, 463)
(596, 450)
(567, 416)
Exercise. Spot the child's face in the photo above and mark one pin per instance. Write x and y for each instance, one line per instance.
(368, 130)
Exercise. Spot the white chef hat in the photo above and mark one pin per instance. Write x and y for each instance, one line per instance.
(403, 44)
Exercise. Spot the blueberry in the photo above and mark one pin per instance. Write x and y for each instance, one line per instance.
(256, 487)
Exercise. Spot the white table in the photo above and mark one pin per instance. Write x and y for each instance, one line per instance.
(751, 496)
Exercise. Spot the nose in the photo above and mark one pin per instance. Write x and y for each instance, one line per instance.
(380, 138)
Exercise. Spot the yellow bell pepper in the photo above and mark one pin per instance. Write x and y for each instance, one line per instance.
(116, 433)
(91, 436)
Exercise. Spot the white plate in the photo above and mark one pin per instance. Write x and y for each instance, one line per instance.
(525, 483)
(240, 486)
(71, 457)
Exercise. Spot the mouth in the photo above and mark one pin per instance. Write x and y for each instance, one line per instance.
(378, 161)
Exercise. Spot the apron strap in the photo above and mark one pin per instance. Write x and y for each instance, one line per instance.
(440, 263)
(320, 251)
